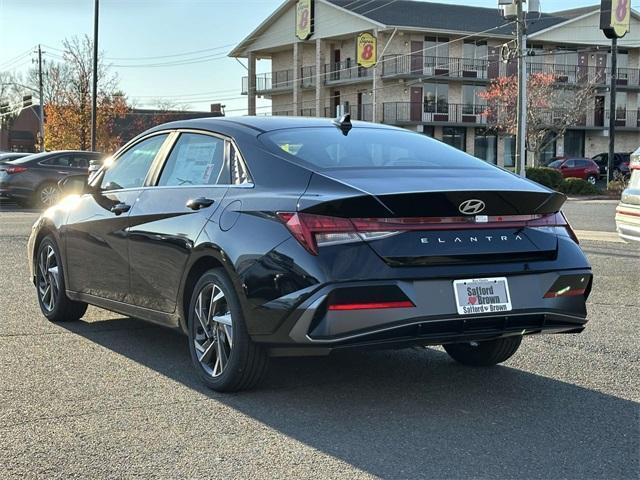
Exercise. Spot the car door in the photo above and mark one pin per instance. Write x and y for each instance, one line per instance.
(169, 216)
(568, 168)
(97, 257)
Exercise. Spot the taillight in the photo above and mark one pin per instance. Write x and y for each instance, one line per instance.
(13, 170)
(313, 231)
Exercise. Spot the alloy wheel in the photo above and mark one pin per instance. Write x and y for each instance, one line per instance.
(592, 180)
(48, 195)
(213, 338)
(48, 278)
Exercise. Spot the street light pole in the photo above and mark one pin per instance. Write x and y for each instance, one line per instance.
(41, 95)
(94, 90)
(521, 135)
(612, 108)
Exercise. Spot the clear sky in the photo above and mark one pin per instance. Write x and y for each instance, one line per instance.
(131, 31)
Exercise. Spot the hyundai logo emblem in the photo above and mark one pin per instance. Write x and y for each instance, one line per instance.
(471, 207)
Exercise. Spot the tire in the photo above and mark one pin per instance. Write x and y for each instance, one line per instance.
(47, 195)
(484, 354)
(50, 287)
(223, 354)
(592, 179)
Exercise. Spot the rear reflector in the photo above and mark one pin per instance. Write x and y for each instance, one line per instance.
(313, 231)
(566, 292)
(371, 306)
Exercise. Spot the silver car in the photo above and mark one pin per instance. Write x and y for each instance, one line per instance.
(628, 211)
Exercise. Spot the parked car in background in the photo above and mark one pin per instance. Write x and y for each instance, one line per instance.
(628, 211)
(583, 168)
(9, 156)
(620, 163)
(33, 180)
(296, 236)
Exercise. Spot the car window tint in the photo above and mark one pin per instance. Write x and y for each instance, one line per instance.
(195, 160)
(239, 173)
(570, 163)
(328, 148)
(130, 169)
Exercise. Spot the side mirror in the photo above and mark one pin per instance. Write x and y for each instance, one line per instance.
(74, 184)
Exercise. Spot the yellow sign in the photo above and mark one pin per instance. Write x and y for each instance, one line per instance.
(304, 19)
(367, 50)
(615, 17)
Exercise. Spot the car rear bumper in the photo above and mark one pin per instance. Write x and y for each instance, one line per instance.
(433, 319)
(628, 221)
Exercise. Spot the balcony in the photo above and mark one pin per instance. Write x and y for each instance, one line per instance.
(418, 66)
(280, 81)
(405, 113)
(362, 112)
(427, 66)
(414, 113)
(346, 72)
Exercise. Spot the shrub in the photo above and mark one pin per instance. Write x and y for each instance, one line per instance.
(577, 186)
(549, 177)
(618, 184)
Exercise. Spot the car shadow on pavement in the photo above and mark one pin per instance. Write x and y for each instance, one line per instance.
(414, 413)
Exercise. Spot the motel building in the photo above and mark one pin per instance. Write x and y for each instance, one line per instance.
(421, 65)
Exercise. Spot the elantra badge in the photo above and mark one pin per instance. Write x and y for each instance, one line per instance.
(471, 207)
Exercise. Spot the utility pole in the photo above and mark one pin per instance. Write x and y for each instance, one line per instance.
(41, 95)
(521, 136)
(94, 90)
(612, 108)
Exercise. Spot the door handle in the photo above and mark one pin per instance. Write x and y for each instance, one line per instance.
(200, 202)
(120, 208)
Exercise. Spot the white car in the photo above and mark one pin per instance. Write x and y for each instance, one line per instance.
(628, 211)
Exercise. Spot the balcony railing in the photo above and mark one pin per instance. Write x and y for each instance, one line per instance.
(419, 65)
(466, 68)
(345, 71)
(416, 112)
(362, 112)
(280, 80)
(403, 113)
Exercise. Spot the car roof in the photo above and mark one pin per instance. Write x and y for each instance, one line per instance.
(260, 124)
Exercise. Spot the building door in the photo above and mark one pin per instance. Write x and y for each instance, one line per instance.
(583, 67)
(416, 104)
(417, 57)
(335, 68)
(598, 120)
(601, 66)
(336, 103)
(493, 68)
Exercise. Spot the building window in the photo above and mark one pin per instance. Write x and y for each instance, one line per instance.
(621, 106)
(455, 136)
(475, 50)
(486, 146)
(436, 97)
(509, 151)
(436, 51)
(547, 153)
(473, 103)
(574, 143)
(429, 131)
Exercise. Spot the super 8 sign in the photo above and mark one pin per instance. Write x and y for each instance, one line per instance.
(304, 19)
(367, 50)
(615, 17)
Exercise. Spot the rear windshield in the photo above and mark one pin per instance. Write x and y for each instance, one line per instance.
(328, 148)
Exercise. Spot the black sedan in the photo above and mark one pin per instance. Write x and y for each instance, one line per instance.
(33, 180)
(262, 237)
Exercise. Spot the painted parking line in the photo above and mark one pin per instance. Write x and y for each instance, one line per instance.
(598, 236)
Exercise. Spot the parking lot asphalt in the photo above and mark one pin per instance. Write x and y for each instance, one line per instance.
(113, 397)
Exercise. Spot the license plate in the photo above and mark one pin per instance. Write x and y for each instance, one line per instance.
(482, 295)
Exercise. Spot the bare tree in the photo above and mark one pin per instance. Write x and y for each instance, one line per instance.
(551, 108)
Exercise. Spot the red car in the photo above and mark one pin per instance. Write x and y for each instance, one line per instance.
(583, 168)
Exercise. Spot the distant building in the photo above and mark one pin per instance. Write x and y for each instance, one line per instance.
(433, 60)
(21, 134)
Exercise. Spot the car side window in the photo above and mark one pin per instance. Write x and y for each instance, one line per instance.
(195, 159)
(130, 169)
(570, 163)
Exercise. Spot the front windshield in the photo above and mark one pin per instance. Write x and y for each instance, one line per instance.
(328, 148)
